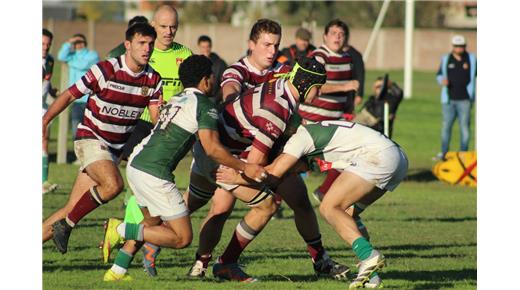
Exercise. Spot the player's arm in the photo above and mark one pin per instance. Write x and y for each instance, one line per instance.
(352, 85)
(210, 142)
(61, 103)
(153, 108)
(230, 89)
(276, 170)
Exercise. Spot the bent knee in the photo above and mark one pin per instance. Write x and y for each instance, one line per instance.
(220, 208)
(184, 241)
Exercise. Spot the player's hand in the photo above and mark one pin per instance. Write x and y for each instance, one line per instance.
(227, 175)
(445, 82)
(358, 100)
(352, 85)
(255, 172)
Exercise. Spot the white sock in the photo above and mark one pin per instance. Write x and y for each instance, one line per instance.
(118, 269)
(121, 229)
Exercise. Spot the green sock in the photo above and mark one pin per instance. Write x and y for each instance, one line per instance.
(373, 275)
(134, 232)
(362, 248)
(45, 167)
(123, 259)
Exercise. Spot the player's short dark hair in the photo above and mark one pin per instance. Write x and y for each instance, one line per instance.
(82, 36)
(144, 29)
(137, 19)
(47, 33)
(339, 23)
(264, 26)
(204, 38)
(193, 69)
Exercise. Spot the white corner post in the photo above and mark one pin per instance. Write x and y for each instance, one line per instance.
(408, 48)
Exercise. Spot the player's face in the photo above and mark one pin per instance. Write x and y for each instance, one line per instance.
(263, 52)
(46, 45)
(335, 38)
(205, 48)
(301, 44)
(140, 49)
(165, 24)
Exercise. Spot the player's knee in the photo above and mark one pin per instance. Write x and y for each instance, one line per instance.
(112, 187)
(326, 210)
(220, 208)
(267, 208)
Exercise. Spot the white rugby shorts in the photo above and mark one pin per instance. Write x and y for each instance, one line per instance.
(89, 151)
(385, 168)
(161, 197)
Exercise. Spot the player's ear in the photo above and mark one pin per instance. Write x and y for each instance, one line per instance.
(127, 44)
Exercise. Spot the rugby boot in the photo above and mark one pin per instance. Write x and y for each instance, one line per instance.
(374, 283)
(325, 266)
(60, 235)
(150, 253)
(368, 266)
(110, 276)
(197, 270)
(231, 272)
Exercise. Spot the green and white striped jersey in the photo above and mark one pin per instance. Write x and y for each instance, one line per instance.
(174, 134)
(332, 144)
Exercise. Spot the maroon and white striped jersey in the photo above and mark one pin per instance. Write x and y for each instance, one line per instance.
(330, 106)
(117, 97)
(257, 118)
(248, 76)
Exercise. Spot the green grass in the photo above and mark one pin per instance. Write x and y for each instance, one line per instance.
(426, 229)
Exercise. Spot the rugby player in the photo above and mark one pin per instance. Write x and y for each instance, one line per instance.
(369, 164)
(119, 89)
(250, 125)
(187, 116)
(337, 95)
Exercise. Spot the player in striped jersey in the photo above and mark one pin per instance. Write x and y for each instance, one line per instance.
(119, 89)
(250, 124)
(370, 164)
(338, 93)
(185, 117)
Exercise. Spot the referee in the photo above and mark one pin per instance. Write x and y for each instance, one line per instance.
(166, 59)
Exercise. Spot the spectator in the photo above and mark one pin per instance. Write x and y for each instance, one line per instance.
(457, 76)
(120, 49)
(302, 47)
(372, 114)
(358, 69)
(219, 65)
(79, 58)
(47, 68)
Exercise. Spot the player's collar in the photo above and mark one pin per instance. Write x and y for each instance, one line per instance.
(193, 90)
(253, 69)
(332, 52)
(126, 69)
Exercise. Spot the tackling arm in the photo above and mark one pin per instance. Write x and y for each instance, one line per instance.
(211, 144)
(230, 89)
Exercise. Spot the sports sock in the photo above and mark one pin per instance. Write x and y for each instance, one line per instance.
(362, 248)
(122, 262)
(45, 167)
(373, 275)
(242, 236)
(315, 248)
(327, 183)
(131, 231)
(204, 259)
(87, 203)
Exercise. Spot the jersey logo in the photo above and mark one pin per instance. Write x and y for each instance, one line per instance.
(324, 165)
(145, 90)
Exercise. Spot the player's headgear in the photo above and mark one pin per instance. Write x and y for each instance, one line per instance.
(307, 73)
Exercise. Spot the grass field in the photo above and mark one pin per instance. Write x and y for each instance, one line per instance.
(426, 229)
